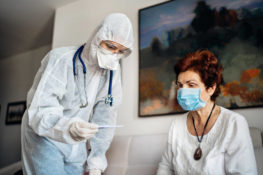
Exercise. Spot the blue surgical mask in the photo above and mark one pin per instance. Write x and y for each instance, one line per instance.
(189, 99)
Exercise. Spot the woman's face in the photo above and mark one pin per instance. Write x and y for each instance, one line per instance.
(191, 79)
(113, 47)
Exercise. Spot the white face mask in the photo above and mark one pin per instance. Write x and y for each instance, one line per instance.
(107, 59)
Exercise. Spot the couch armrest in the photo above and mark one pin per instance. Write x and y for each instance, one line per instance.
(11, 169)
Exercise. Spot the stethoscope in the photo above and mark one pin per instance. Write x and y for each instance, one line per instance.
(109, 99)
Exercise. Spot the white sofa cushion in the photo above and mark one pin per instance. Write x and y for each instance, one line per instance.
(256, 137)
(117, 155)
(259, 159)
(138, 155)
(141, 170)
(145, 154)
(142, 148)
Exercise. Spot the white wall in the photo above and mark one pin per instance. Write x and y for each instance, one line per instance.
(16, 77)
(75, 22)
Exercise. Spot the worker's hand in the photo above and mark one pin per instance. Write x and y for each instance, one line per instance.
(94, 172)
(82, 130)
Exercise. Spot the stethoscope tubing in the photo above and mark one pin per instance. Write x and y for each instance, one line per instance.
(109, 99)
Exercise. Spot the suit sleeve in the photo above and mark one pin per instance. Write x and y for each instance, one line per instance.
(104, 114)
(45, 113)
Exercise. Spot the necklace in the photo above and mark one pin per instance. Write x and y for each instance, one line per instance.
(198, 151)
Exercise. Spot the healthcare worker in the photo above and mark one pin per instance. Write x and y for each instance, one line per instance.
(75, 91)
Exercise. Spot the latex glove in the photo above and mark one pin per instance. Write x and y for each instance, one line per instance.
(82, 130)
(94, 172)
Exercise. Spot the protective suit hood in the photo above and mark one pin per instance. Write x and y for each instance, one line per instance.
(115, 27)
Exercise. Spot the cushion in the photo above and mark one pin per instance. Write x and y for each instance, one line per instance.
(118, 151)
(256, 137)
(111, 170)
(259, 159)
(117, 155)
(147, 150)
(141, 170)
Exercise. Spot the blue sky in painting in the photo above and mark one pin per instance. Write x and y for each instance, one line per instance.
(179, 13)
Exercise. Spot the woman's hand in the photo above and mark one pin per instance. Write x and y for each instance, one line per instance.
(82, 130)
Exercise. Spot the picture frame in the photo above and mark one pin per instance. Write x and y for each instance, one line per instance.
(14, 112)
(232, 30)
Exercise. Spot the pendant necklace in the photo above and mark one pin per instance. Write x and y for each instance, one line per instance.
(198, 151)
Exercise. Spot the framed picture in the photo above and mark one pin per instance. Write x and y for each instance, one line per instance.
(232, 30)
(15, 112)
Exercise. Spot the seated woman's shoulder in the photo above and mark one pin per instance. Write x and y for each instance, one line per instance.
(232, 117)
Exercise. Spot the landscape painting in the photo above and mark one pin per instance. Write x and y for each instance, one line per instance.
(231, 29)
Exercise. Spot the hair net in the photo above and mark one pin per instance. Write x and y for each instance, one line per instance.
(115, 27)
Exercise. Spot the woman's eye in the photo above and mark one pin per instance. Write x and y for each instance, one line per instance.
(121, 52)
(192, 85)
(179, 85)
(111, 46)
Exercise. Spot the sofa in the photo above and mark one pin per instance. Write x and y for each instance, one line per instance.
(140, 154)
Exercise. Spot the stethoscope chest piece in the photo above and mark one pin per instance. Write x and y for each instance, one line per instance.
(109, 100)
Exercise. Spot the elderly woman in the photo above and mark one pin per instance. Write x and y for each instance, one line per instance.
(209, 139)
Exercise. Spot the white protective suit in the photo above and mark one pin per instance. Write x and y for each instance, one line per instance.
(53, 105)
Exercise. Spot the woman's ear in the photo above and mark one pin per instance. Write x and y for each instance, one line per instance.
(211, 90)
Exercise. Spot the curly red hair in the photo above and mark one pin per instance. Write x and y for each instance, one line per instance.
(206, 65)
